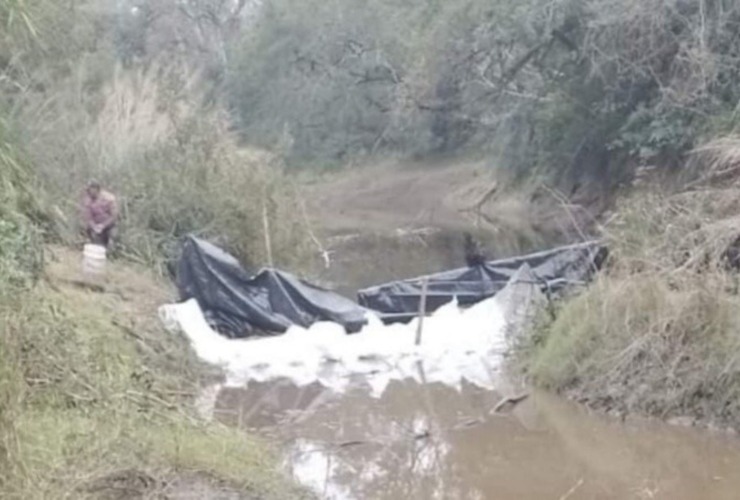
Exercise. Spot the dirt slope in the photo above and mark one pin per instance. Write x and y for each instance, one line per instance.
(402, 219)
(398, 195)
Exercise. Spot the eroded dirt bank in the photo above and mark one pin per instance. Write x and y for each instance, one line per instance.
(658, 333)
(395, 220)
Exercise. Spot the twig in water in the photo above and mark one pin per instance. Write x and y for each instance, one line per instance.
(572, 490)
(511, 400)
(477, 207)
(422, 309)
(349, 444)
(132, 333)
(466, 424)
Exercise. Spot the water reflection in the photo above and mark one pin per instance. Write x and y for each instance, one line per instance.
(432, 442)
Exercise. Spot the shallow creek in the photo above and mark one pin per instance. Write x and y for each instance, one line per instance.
(432, 441)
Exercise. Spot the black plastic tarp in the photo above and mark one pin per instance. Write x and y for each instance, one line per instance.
(238, 304)
(552, 269)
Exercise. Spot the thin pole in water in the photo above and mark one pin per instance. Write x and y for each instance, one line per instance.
(422, 309)
(266, 229)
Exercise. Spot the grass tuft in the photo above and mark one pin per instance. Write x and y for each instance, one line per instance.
(94, 393)
(659, 333)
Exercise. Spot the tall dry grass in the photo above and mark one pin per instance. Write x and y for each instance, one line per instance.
(171, 159)
(659, 332)
(94, 396)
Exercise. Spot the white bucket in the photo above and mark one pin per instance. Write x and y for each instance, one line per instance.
(93, 260)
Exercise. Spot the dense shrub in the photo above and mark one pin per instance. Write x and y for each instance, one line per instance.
(657, 333)
(20, 244)
(172, 162)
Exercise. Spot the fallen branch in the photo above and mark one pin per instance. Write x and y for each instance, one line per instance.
(132, 333)
(511, 400)
(565, 203)
(572, 490)
(477, 206)
(466, 424)
(349, 444)
(85, 285)
(722, 175)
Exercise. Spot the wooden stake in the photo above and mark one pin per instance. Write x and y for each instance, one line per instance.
(266, 230)
(422, 309)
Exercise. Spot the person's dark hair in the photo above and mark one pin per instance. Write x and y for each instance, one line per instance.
(93, 185)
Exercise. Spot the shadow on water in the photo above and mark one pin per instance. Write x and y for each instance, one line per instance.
(425, 442)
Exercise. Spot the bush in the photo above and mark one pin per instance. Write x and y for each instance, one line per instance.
(94, 396)
(20, 244)
(577, 90)
(174, 165)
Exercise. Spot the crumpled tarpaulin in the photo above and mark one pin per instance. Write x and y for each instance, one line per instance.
(238, 304)
(552, 270)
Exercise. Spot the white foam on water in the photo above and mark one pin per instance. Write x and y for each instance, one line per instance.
(457, 345)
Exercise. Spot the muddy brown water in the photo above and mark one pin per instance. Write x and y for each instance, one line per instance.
(434, 442)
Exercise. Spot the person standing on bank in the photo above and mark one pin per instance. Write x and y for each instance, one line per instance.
(100, 214)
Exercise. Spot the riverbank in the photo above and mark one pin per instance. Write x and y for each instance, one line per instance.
(432, 441)
(97, 399)
(658, 334)
(399, 218)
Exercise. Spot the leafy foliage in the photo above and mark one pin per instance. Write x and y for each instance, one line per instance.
(20, 253)
(572, 88)
(173, 164)
(84, 401)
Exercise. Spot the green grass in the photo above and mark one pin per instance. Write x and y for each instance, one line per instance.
(64, 452)
(91, 386)
(623, 323)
